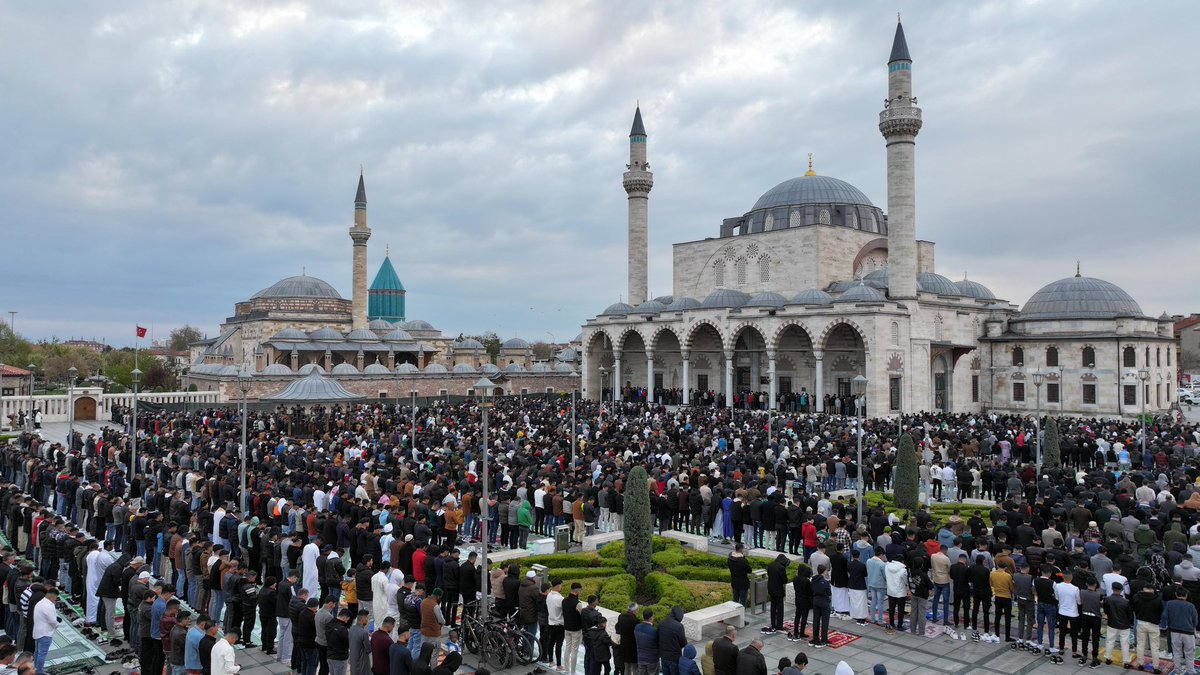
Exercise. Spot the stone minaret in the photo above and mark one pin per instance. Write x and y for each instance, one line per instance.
(638, 183)
(899, 123)
(359, 234)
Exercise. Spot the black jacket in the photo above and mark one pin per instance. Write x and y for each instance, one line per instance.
(671, 636)
(725, 656)
(739, 572)
(750, 661)
(337, 640)
(468, 581)
(626, 622)
(777, 576)
(110, 581)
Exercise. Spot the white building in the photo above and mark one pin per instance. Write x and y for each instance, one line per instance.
(815, 285)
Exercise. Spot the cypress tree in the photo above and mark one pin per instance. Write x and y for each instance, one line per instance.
(906, 488)
(1051, 454)
(638, 525)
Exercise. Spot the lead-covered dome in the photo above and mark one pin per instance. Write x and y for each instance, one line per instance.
(1080, 297)
(725, 297)
(974, 289)
(931, 282)
(299, 287)
(804, 190)
(861, 293)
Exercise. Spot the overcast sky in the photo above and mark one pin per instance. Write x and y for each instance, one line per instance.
(163, 160)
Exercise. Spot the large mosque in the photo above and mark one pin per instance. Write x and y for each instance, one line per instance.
(301, 325)
(815, 285)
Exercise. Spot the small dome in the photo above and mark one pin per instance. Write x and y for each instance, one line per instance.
(683, 304)
(417, 324)
(649, 307)
(665, 299)
(974, 289)
(376, 369)
(514, 368)
(408, 368)
(325, 333)
(515, 343)
(462, 368)
(299, 287)
(812, 296)
(227, 371)
(568, 354)
(880, 274)
(937, 284)
(436, 368)
(489, 369)
(767, 299)
(290, 334)
(1080, 298)
(725, 297)
(311, 367)
(861, 293)
(380, 324)
(344, 369)
(362, 335)
(842, 286)
(562, 367)
(276, 369)
(617, 309)
(467, 343)
(398, 335)
(540, 367)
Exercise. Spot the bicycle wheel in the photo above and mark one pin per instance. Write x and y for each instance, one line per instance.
(499, 651)
(470, 640)
(525, 649)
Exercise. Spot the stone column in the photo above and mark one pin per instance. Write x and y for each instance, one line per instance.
(638, 181)
(617, 383)
(729, 379)
(359, 359)
(328, 360)
(772, 404)
(359, 234)
(295, 359)
(819, 395)
(649, 376)
(687, 378)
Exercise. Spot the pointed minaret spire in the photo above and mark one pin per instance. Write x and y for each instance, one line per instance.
(360, 199)
(899, 45)
(638, 181)
(359, 234)
(638, 129)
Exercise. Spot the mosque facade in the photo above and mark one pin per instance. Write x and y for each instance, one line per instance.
(367, 344)
(816, 286)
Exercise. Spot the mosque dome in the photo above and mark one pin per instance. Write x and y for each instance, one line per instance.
(725, 297)
(515, 343)
(489, 369)
(681, 304)
(467, 343)
(375, 369)
(514, 368)
(290, 334)
(812, 296)
(937, 284)
(380, 324)
(814, 189)
(1080, 297)
(568, 354)
(344, 369)
(562, 367)
(540, 367)
(362, 334)
(436, 368)
(325, 333)
(311, 367)
(617, 309)
(767, 299)
(649, 307)
(398, 335)
(417, 324)
(276, 369)
(861, 293)
(299, 287)
(665, 299)
(410, 368)
(974, 289)
(463, 368)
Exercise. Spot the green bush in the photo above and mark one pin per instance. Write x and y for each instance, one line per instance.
(907, 490)
(617, 592)
(557, 560)
(579, 573)
(699, 574)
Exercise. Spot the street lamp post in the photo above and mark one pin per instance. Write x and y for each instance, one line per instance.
(136, 376)
(484, 385)
(72, 373)
(858, 387)
(1038, 378)
(29, 417)
(243, 380)
(574, 441)
(412, 436)
(603, 382)
(1144, 376)
(2, 415)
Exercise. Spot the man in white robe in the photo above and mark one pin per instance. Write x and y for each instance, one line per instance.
(95, 563)
(308, 559)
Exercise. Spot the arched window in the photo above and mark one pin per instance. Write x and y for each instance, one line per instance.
(1147, 360)
(1052, 357)
(824, 217)
(1168, 357)
(938, 327)
(895, 333)
(770, 221)
(764, 269)
(1089, 357)
(1018, 356)
(741, 271)
(1158, 356)
(1129, 358)
(794, 218)
(719, 273)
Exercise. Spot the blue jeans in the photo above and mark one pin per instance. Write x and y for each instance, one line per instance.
(39, 655)
(1046, 614)
(309, 660)
(414, 642)
(739, 595)
(670, 667)
(878, 601)
(941, 592)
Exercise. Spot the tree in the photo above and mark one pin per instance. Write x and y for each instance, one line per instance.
(183, 336)
(1051, 455)
(639, 545)
(542, 351)
(158, 378)
(906, 474)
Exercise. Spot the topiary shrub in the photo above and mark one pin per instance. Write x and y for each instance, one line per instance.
(906, 474)
(639, 545)
(1051, 454)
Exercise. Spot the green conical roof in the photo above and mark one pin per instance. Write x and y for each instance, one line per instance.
(387, 279)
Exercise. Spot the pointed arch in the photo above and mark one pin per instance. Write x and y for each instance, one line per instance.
(658, 332)
(823, 338)
(624, 335)
(690, 337)
(732, 336)
(777, 335)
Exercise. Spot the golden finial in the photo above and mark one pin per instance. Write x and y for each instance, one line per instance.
(810, 171)
(1077, 269)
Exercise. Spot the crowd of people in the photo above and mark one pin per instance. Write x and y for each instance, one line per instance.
(344, 553)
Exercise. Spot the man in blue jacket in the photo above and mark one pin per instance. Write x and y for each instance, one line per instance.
(646, 636)
(1179, 620)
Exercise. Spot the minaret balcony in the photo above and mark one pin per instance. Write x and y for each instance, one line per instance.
(900, 120)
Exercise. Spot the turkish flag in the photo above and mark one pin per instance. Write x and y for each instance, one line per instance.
(141, 332)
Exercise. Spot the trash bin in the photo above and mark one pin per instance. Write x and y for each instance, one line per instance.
(758, 592)
(562, 538)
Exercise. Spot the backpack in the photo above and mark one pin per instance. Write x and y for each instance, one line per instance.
(223, 528)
